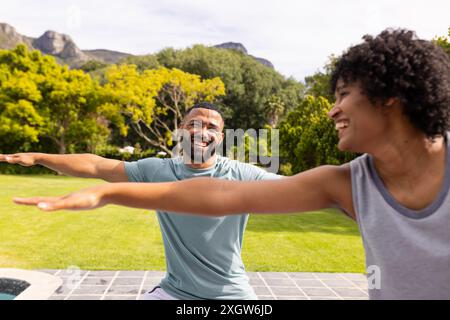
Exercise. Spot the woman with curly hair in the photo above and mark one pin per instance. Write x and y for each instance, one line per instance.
(392, 104)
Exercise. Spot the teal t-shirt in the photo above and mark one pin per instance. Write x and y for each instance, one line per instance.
(203, 254)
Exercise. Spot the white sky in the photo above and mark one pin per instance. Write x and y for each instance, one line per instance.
(296, 36)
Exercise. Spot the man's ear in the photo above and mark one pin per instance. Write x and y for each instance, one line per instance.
(222, 136)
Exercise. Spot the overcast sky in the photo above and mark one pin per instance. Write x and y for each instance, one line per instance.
(296, 36)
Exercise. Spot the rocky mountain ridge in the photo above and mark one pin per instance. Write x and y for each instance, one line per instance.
(66, 51)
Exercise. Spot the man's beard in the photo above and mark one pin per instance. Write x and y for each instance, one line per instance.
(197, 154)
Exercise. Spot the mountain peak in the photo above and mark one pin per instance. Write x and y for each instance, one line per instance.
(240, 47)
(9, 37)
(6, 28)
(50, 34)
(56, 44)
(59, 44)
(233, 46)
(66, 51)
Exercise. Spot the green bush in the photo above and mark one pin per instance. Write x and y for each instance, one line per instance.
(6, 168)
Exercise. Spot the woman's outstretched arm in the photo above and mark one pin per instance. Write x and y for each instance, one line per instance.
(321, 187)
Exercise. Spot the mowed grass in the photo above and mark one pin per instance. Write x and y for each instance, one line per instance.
(119, 238)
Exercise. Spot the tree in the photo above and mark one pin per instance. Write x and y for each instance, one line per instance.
(249, 84)
(19, 125)
(92, 65)
(39, 99)
(20, 122)
(308, 138)
(275, 108)
(70, 104)
(318, 85)
(444, 43)
(153, 102)
(142, 63)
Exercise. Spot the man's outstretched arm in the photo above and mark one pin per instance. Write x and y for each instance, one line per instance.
(77, 165)
(322, 187)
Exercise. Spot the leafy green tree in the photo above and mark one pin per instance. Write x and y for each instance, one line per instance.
(153, 102)
(275, 108)
(308, 138)
(40, 99)
(92, 65)
(142, 63)
(318, 84)
(444, 42)
(19, 125)
(249, 84)
(20, 122)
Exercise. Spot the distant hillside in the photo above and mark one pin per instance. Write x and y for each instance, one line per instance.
(57, 44)
(66, 51)
(106, 56)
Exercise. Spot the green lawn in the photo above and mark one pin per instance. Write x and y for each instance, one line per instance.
(129, 239)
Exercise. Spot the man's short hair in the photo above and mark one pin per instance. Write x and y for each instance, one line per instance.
(205, 105)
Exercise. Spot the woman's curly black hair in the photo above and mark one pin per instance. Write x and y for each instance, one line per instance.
(396, 64)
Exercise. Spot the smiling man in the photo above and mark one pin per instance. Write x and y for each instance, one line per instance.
(203, 254)
(392, 104)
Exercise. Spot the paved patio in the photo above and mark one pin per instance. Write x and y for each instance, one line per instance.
(129, 285)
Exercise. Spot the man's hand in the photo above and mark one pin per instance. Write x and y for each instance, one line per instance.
(77, 165)
(86, 199)
(24, 159)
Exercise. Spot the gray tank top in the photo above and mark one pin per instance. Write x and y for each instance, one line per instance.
(407, 251)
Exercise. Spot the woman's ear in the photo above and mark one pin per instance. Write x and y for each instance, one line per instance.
(391, 102)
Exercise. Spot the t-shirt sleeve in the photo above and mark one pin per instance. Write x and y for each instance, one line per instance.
(142, 170)
(251, 173)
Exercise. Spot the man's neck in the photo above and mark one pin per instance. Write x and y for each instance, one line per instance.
(204, 165)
